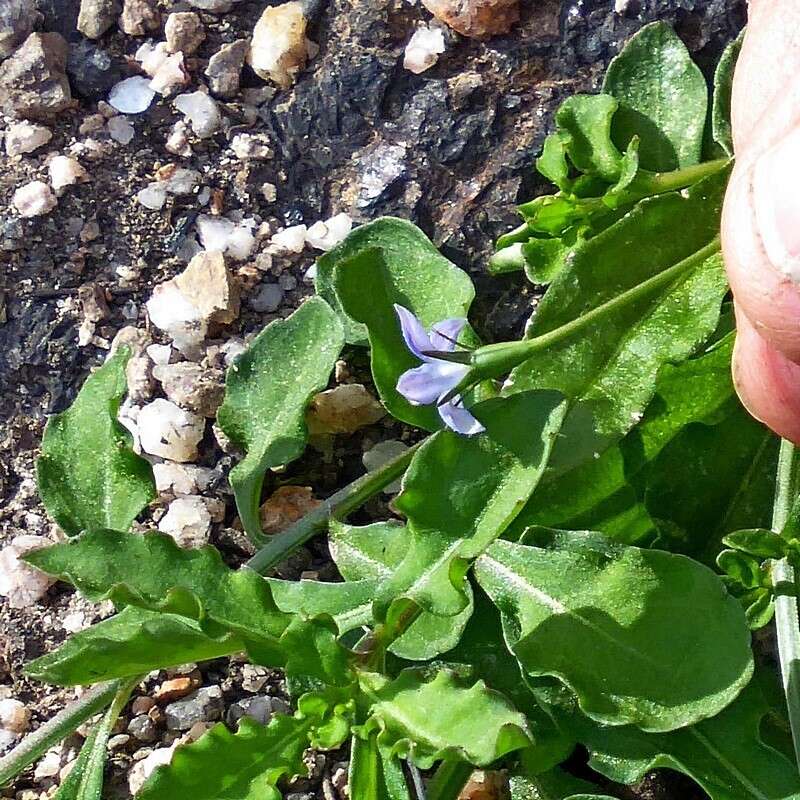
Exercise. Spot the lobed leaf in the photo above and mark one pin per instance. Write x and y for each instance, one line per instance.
(553, 785)
(367, 558)
(642, 637)
(460, 493)
(725, 754)
(416, 274)
(663, 99)
(133, 642)
(88, 474)
(266, 393)
(612, 368)
(246, 765)
(721, 104)
(472, 723)
(369, 283)
(151, 572)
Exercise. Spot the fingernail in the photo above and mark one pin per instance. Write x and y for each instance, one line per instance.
(776, 200)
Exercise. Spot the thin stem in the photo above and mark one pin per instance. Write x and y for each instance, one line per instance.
(346, 500)
(449, 779)
(787, 623)
(495, 360)
(55, 729)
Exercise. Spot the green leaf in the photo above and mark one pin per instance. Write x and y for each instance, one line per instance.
(472, 722)
(460, 493)
(315, 659)
(266, 393)
(373, 279)
(246, 765)
(151, 572)
(88, 475)
(721, 104)
(373, 774)
(612, 370)
(367, 557)
(554, 785)
(417, 274)
(663, 99)
(641, 636)
(133, 642)
(724, 754)
(85, 779)
(585, 124)
(757, 542)
(744, 569)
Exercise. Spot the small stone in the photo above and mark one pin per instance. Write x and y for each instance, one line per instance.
(169, 431)
(143, 729)
(33, 81)
(381, 454)
(153, 196)
(344, 409)
(17, 18)
(92, 71)
(484, 785)
(205, 705)
(203, 294)
(423, 49)
(184, 32)
(141, 705)
(269, 192)
(94, 123)
(74, 622)
(34, 199)
(139, 17)
(178, 140)
(132, 96)
(192, 386)
(159, 353)
(326, 235)
(220, 235)
(258, 708)
(225, 67)
(25, 137)
(251, 147)
(176, 688)
(254, 678)
(119, 741)
(214, 6)
(49, 766)
(65, 171)
(290, 240)
(178, 180)
(139, 374)
(14, 716)
(268, 299)
(171, 75)
(181, 479)
(187, 521)
(143, 769)
(285, 506)
(477, 19)
(201, 111)
(97, 16)
(120, 129)
(279, 48)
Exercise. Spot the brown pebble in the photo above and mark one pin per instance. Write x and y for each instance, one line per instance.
(175, 688)
(141, 705)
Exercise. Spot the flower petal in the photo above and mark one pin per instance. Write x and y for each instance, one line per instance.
(458, 419)
(444, 334)
(424, 385)
(413, 333)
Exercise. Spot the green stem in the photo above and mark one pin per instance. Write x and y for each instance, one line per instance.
(449, 779)
(346, 500)
(496, 360)
(54, 730)
(787, 623)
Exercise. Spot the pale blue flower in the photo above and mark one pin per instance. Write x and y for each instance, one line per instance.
(428, 384)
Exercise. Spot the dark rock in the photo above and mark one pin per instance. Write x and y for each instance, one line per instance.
(60, 16)
(93, 71)
(225, 67)
(33, 82)
(205, 705)
(17, 18)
